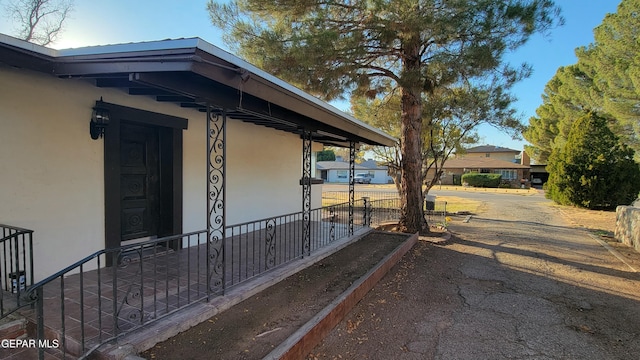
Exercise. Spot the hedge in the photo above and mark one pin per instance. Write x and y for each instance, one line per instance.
(482, 180)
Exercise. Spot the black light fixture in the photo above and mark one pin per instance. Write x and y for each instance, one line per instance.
(99, 121)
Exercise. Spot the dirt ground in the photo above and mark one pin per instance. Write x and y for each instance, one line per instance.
(251, 329)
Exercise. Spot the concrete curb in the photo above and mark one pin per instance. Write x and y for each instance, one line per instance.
(300, 343)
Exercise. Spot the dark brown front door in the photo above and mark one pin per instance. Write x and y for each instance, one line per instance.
(139, 181)
(142, 174)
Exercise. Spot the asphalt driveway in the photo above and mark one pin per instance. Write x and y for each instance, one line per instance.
(515, 282)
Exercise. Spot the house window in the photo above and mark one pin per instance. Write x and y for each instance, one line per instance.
(507, 174)
(343, 174)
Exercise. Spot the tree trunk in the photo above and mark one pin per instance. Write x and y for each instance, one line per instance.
(412, 217)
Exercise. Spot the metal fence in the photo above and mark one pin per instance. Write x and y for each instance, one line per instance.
(387, 211)
(258, 246)
(115, 291)
(385, 206)
(337, 197)
(16, 267)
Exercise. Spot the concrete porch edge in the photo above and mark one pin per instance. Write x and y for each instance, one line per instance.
(146, 337)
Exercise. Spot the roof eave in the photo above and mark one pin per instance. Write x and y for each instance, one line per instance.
(199, 57)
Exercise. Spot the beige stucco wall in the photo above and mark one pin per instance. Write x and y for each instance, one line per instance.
(52, 171)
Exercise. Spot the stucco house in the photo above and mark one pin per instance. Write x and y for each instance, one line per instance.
(513, 165)
(118, 146)
(511, 172)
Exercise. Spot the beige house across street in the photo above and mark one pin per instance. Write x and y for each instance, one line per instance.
(513, 165)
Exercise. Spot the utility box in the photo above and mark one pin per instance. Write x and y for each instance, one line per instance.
(430, 202)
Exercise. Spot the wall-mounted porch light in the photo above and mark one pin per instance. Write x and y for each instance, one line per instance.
(99, 121)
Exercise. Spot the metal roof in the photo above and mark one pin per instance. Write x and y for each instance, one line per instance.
(196, 74)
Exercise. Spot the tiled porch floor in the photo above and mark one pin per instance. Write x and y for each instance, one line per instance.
(153, 282)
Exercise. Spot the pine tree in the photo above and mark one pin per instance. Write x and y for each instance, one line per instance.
(344, 47)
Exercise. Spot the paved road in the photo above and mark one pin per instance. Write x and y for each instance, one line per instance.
(515, 282)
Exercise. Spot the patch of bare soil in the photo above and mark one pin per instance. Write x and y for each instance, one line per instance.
(252, 328)
(601, 224)
(597, 221)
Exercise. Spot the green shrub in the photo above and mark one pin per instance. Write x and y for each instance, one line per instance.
(482, 180)
(326, 155)
(593, 169)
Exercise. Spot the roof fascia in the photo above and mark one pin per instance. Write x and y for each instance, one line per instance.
(197, 56)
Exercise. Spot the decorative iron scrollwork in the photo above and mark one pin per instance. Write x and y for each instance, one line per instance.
(270, 244)
(125, 258)
(332, 224)
(216, 130)
(130, 311)
(352, 190)
(306, 192)
(365, 211)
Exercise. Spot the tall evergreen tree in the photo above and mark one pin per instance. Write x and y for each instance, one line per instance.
(565, 98)
(335, 47)
(606, 80)
(593, 169)
(613, 63)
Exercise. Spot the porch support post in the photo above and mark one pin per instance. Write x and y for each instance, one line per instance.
(352, 190)
(306, 191)
(216, 196)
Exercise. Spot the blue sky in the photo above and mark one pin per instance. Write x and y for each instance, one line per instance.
(123, 21)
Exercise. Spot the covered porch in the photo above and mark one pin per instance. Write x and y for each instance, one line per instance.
(114, 291)
(79, 310)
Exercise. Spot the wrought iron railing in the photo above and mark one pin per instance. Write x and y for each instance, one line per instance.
(386, 211)
(16, 267)
(115, 291)
(337, 197)
(255, 247)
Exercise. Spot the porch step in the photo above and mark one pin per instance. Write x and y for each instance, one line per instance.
(14, 331)
(13, 327)
(52, 343)
(72, 343)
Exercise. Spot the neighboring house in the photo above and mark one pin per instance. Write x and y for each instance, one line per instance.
(338, 171)
(148, 174)
(454, 168)
(379, 173)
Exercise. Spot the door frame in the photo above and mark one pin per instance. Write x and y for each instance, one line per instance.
(170, 137)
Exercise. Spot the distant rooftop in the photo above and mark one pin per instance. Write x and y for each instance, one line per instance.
(490, 149)
(481, 163)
